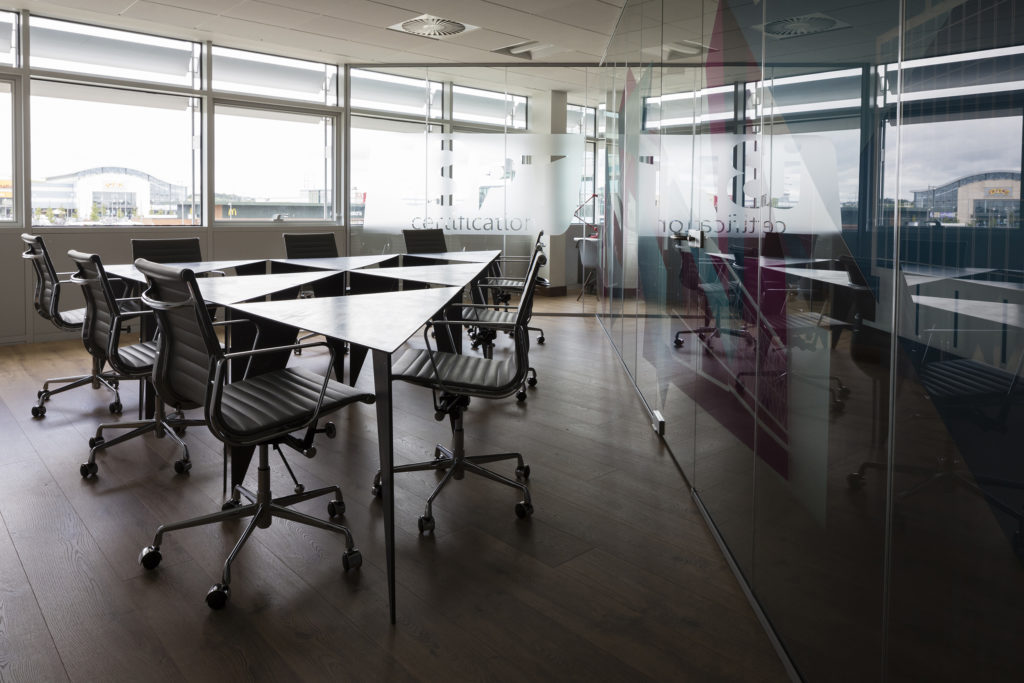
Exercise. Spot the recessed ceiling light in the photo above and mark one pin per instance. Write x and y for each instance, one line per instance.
(429, 26)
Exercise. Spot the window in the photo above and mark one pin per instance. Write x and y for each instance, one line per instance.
(272, 165)
(6, 154)
(65, 46)
(8, 39)
(97, 161)
(258, 74)
(579, 119)
(485, 106)
(398, 94)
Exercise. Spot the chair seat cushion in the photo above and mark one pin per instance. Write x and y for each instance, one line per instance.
(281, 401)
(72, 318)
(462, 374)
(139, 356)
(489, 315)
(504, 282)
(968, 379)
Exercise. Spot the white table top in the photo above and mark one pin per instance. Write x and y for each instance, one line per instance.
(232, 289)
(993, 311)
(382, 321)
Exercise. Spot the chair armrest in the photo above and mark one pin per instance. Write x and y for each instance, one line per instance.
(220, 378)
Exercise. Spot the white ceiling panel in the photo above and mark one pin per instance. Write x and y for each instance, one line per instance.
(164, 14)
(266, 13)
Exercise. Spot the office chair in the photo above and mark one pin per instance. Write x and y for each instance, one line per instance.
(689, 278)
(453, 379)
(168, 250)
(47, 304)
(589, 250)
(488, 320)
(262, 411)
(308, 245)
(499, 288)
(104, 317)
(430, 241)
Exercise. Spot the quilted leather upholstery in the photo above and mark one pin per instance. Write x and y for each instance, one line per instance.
(968, 379)
(465, 374)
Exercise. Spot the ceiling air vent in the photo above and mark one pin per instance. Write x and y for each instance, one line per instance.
(429, 26)
(804, 25)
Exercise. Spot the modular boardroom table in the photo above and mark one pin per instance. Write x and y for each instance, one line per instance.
(381, 322)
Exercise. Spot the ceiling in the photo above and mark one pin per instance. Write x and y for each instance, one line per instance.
(356, 31)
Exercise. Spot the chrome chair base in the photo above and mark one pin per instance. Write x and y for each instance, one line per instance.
(263, 508)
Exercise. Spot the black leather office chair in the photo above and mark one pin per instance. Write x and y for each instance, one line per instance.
(453, 379)
(104, 318)
(430, 241)
(168, 250)
(262, 411)
(499, 288)
(490, 319)
(310, 245)
(47, 304)
(689, 278)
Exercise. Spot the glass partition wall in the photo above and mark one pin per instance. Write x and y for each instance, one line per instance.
(814, 274)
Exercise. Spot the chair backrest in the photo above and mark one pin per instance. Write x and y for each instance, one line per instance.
(47, 283)
(170, 250)
(425, 241)
(589, 251)
(188, 344)
(100, 306)
(689, 272)
(310, 245)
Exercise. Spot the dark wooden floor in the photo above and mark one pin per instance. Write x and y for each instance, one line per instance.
(615, 578)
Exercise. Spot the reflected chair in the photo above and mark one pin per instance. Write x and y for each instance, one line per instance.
(453, 379)
(259, 411)
(689, 278)
(104, 317)
(47, 304)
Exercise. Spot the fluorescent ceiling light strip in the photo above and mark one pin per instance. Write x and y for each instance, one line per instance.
(961, 57)
(962, 91)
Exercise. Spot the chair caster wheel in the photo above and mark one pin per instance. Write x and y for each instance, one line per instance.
(217, 596)
(115, 408)
(376, 488)
(150, 557)
(88, 469)
(540, 339)
(520, 395)
(425, 524)
(335, 508)
(230, 504)
(330, 431)
(180, 431)
(855, 480)
(532, 381)
(95, 441)
(39, 394)
(297, 352)
(352, 559)
(523, 472)
(524, 509)
(182, 466)
(677, 342)
(38, 411)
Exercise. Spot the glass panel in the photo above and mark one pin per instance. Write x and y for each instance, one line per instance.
(259, 74)
(957, 407)
(120, 172)
(287, 176)
(397, 94)
(8, 38)
(581, 120)
(484, 106)
(388, 194)
(7, 193)
(81, 48)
